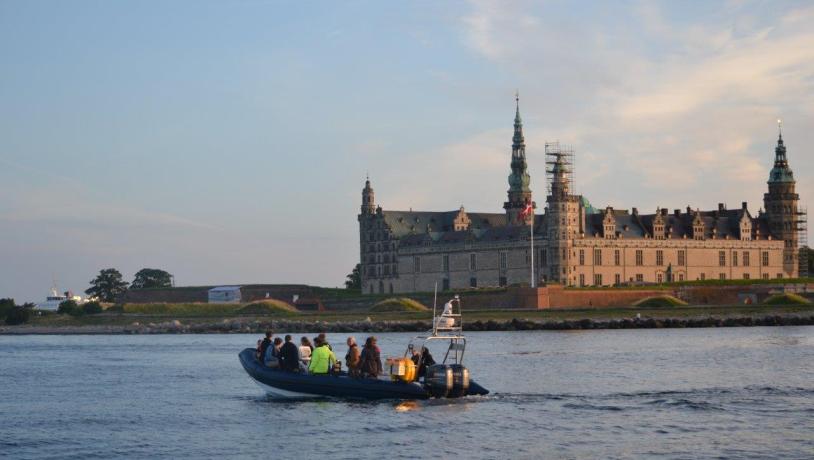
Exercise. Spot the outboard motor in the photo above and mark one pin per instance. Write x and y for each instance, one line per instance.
(439, 380)
(460, 381)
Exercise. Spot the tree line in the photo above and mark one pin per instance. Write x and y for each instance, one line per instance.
(109, 283)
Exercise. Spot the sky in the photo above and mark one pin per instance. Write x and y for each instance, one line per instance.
(228, 142)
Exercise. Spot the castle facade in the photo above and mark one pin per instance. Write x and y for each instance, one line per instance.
(575, 244)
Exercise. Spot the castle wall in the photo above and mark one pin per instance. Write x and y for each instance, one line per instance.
(702, 260)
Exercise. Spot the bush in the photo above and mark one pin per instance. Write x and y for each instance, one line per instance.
(18, 315)
(398, 304)
(70, 307)
(660, 301)
(786, 299)
(92, 308)
(6, 305)
(268, 307)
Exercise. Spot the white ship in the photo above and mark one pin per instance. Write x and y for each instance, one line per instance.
(52, 301)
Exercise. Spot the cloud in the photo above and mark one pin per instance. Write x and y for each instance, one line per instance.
(661, 109)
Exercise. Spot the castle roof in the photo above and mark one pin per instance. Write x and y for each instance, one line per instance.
(404, 223)
(677, 224)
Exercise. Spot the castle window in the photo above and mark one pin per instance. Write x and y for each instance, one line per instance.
(597, 257)
(682, 259)
(659, 277)
(445, 284)
(473, 282)
(681, 277)
(417, 264)
(473, 261)
(445, 262)
(582, 257)
(617, 279)
(597, 279)
(503, 260)
(765, 276)
(502, 281)
(722, 276)
(764, 258)
(745, 258)
(543, 257)
(722, 258)
(581, 279)
(746, 276)
(639, 277)
(734, 258)
(616, 257)
(639, 257)
(703, 276)
(779, 275)
(659, 257)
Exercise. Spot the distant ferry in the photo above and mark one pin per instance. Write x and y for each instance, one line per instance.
(52, 301)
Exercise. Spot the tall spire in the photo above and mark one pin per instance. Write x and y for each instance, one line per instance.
(518, 142)
(781, 172)
(519, 179)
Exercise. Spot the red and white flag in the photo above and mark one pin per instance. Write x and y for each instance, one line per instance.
(529, 209)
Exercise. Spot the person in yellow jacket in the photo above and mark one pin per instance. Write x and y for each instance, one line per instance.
(322, 359)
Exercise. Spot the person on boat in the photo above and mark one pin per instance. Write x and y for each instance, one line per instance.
(289, 356)
(422, 360)
(265, 344)
(322, 359)
(305, 351)
(370, 365)
(273, 353)
(324, 340)
(352, 358)
(257, 350)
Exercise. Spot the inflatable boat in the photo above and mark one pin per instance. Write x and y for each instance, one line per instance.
(449, 379)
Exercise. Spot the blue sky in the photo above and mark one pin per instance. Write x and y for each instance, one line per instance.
(227, 142)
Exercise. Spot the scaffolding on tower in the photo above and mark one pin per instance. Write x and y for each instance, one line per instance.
(801, 226)
(555, 153)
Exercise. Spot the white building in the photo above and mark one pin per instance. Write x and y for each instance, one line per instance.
(225, 294)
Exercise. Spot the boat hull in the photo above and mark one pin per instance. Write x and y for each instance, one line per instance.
(281, 384)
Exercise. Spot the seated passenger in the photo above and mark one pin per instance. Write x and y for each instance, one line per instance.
(305, 350)
(352, 358)
(370, 365)
(425, 361)
(322, 359)
(289, 356)
(272, 358)
(264, 345)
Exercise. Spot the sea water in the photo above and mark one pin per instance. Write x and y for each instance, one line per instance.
(671, 393)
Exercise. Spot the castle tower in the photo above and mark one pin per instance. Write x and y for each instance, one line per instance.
(519, 180)
(781, 204)
(368, 200)
(562, 215)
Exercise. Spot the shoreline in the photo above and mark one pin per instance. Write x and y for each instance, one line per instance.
(257, 325)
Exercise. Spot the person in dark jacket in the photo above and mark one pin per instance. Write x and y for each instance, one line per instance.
(264, 345)
(289, 356)
(370, 364)
(422, 360)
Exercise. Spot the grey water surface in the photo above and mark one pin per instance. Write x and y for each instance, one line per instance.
(671, 393)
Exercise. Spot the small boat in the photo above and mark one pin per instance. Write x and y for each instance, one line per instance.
(449, 379)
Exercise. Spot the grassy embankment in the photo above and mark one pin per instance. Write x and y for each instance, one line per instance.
(206, 313)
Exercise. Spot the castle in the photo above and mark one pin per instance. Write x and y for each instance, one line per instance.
(574, 244)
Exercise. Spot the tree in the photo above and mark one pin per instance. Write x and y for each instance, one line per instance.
(147, 278)
(69, 307)
(354, 278)
(107, 285)
(18, 315)
(5, 307)
(92, 308)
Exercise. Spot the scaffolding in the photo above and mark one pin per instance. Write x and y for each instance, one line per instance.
(563, 156)
(801, 226)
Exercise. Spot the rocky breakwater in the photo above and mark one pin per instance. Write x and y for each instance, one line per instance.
(237, 326)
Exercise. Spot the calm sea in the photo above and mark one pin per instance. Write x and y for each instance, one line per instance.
(676, 393)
